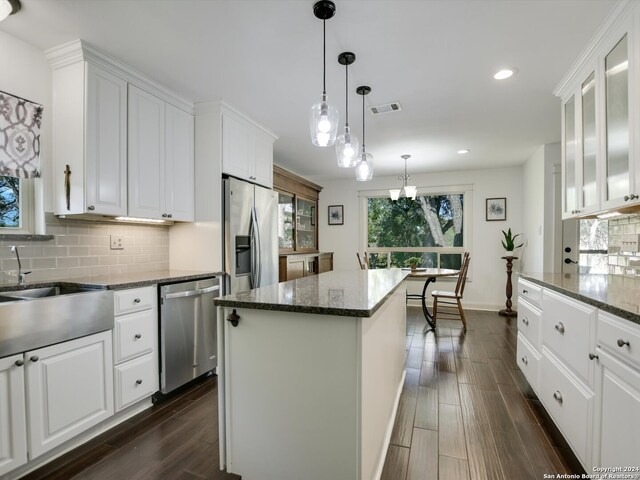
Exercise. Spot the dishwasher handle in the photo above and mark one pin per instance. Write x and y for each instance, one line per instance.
(191, 293)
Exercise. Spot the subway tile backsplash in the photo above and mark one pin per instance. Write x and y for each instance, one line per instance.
(81, 248)
(624, 254)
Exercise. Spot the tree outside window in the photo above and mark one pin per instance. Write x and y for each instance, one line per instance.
(594, 246)
(9, 202)
(429, 228)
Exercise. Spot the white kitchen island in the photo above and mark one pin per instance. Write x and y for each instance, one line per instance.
(311, 375)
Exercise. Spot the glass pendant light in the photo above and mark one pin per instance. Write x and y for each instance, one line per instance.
(410, 191)
(364, 166)
(347, 145)
(324, 117)
(9, 7)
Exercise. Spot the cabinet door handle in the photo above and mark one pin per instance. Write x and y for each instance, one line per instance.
(137, 336)
(164, 215)
(622, 343)
(558, 396)
(559, 327)
(35, 358)
(525, 291)
(525, 320)
(19, 363)
(139, 382)
(593, 356)
(91, 207)
(525, 360)
(136, 300)
(633, 197)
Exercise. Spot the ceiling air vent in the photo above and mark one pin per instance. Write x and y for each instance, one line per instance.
(386, 108)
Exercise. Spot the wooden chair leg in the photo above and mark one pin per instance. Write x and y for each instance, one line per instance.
(435, 308)
(464, 321)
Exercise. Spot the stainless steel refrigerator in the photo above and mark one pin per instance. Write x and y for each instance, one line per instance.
(250, 236)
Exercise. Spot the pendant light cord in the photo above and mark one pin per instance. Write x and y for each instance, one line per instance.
(363, 123)
(324, 57)
(346, 89)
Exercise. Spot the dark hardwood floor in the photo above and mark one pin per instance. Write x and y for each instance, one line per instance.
(466, 412)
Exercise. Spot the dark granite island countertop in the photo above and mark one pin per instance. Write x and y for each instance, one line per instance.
(356, 293)
(614, 294)
(120, 281)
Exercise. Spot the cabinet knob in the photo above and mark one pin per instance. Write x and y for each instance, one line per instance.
(35, 358)
(592, 356)
(139, 382)
(525, 360)
(525, 320)
(164, 215)
(633, 197)
(170, 216)
(19, 363)
(627, 198)
(525, 290)
(622, 343)
(137, 336)
(558, 396)
(136, 300)
(91, 207)
(559, 327)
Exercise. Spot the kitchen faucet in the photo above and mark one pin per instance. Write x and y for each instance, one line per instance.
(21, 274)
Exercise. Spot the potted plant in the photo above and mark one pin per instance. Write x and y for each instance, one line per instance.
(509, 242)
(412, 262)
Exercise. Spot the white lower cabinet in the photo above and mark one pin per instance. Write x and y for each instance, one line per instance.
(13, 423)
(528, 360)
(617, 413)
(69, 389)
(135, 347)
(569, 402)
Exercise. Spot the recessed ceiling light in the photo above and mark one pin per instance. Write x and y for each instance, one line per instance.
(8, 7)
(504, 73)
(463, 151)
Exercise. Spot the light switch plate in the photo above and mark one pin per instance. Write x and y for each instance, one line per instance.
(117, 242)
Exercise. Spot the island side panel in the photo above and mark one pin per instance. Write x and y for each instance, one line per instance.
(383, 339)
(291, 396)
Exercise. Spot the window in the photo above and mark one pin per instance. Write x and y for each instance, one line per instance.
(10, 202)
(429, 231)
(594, 246)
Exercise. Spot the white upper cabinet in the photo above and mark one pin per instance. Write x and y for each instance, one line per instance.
(146, 154)
(125, 143)
(89, 141)
(247, 149)
(179, 164)
(601, 120)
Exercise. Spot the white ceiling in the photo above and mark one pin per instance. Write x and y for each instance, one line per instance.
(436, 58)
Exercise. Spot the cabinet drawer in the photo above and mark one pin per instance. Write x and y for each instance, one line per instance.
(529, 322)
(530, 291)
(619, 336)
(134, 300)
(568, 402)
(135, 380)
(528, 361)
(134, 335)
(567, 328)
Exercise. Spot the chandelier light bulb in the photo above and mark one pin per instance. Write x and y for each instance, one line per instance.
(394, 193)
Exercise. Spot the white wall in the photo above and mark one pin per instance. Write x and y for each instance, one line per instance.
(552, 209)
(487, 270)
(26, 73)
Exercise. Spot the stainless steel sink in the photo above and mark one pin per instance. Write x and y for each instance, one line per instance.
(37, 317)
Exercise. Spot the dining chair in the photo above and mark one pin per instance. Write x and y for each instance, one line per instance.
(364, 262)
(451, 302)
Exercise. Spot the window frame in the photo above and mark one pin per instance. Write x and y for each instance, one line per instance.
(26, 205)
(467, 221)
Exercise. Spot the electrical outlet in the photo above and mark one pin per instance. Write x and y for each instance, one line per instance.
(117, 242)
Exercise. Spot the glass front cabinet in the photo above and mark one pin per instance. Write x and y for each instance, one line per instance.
(601, 126)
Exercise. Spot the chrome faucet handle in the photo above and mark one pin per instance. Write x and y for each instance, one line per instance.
(22, 277)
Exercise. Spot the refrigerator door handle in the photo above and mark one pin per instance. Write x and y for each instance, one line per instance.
(258, 250)
(252, 234)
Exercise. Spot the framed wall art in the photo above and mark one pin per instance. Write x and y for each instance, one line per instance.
(496, 209)
(336, 214)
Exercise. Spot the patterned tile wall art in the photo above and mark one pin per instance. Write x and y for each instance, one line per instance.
(20, 122)
(624, 253)
(81, 249)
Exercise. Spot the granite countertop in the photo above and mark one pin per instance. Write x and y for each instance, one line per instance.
(614, 294)
(354, 293)
(121, 281)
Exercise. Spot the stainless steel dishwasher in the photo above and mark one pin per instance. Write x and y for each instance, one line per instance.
(187, 331)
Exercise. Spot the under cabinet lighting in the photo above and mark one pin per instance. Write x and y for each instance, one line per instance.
(609, 215)
(139, 220)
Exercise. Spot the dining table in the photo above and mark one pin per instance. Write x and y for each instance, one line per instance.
(430, 275)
